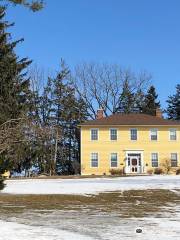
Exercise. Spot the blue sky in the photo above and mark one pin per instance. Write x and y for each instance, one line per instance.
(140, 34)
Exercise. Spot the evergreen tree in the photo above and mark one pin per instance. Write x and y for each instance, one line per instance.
(68, 112)
(14, 85)
(56, 113)
(2, 184)
(126, 100)
(173, 109)
(139, 100)
(32, 5)
(150, 103)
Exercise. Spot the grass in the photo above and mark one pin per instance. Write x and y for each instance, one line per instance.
(127, 204)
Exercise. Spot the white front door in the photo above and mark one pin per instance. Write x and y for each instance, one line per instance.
(133, 163)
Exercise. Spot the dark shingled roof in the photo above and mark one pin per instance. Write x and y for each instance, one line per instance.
(134, 119)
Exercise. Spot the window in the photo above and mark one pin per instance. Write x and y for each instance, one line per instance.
(114, 160)
(153, 133)
(94, 134)
(94, 159)
(154, 159)
(172, 133)
(113, 134)
(173, 159)
(133, 134)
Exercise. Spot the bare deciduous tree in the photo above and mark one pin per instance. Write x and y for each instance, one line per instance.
(101, 85)
(10, 133)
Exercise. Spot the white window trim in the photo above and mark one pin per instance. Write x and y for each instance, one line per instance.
(177, 158)
(91, 134)
(158, 159)
(91, 160)
(157, 134)
(170, 134)
(110, 134)
(130, 134)
(117, 159)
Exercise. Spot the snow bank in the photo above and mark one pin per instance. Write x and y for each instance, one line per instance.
(91, 185)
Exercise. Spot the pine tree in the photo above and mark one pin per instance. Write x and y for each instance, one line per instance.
(139, 100)
(68, 111)
(2, 184)
(173, 109)
(59, 110)
(126, 100)
(14, 85)
(32, 5)
(150, 103)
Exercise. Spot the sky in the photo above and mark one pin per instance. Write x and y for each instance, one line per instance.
(138, 34)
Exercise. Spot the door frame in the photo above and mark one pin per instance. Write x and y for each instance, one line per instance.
(127, 168)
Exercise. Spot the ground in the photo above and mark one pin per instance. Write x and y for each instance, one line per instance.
(99, 208)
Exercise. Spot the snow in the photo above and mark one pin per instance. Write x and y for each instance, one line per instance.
(16, 231)
(90, 185)
(73, 225)
(152, 228)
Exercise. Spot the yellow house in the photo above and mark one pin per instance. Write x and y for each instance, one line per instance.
(133, 143)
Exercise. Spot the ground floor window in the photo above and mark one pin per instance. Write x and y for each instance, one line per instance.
(94, 159)
(154, 159)
(174, 160)
(114, 160)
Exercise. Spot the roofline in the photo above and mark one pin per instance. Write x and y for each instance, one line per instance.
(122, 125)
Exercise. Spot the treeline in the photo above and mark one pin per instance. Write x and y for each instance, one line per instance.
(39, 113)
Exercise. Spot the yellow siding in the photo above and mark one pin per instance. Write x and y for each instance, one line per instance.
(104, 146)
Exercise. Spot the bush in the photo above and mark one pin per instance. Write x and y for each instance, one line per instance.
(150, 171)
(116, 171)
(2, 185)
(166, 165)
(178, 171)
(158, 171)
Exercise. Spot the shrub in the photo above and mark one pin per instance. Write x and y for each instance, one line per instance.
(2, 185)
(150, 171)
(158, 171)
(178, 171)
(166, 165)
(116, 171)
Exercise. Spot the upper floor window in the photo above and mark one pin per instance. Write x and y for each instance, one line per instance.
(154, 159)
(94, 159)
(173, 134)
(133, 134)
(174, 160)
(153, 134)
(114, 160)
(113, 134)
(94, 134)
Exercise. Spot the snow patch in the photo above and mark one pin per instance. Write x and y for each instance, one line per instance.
(16, 231)
(90, 185)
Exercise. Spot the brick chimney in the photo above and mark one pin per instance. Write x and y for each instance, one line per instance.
(159, 113)
(100, 114)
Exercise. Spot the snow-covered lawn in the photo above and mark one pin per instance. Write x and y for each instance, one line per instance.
(16, 231)
(153, 229)
(91, 185)
(130, 203)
